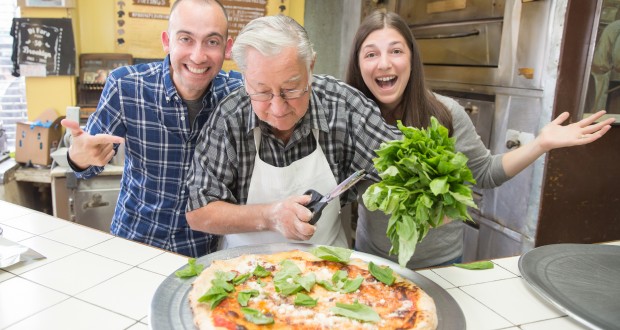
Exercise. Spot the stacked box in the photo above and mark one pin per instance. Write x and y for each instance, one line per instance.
(36, 140)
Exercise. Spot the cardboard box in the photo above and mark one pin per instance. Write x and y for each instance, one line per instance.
(35, 140)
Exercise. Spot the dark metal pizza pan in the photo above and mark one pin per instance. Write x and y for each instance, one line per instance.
(170, 305)
(582, 280)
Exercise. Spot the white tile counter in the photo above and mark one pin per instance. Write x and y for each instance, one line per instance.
(93, 280)
(89, 280)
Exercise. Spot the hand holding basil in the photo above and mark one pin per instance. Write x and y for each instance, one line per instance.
(423, 180)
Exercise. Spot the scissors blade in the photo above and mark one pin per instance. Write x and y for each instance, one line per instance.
(344, 185)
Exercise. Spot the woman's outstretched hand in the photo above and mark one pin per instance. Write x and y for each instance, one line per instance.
(554, 135)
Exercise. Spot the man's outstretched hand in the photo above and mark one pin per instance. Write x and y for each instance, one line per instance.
(87, 150)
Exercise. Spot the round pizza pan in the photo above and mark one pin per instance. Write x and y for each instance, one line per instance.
(579, 279)
(170, 305)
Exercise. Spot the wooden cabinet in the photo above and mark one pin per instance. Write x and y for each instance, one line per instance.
(94, 70)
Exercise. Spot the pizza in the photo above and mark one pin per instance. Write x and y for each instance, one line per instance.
(320, 289)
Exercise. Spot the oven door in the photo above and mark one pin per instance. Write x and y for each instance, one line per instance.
(479, 107)
(93, 201)
(460, 44)
(433, 12)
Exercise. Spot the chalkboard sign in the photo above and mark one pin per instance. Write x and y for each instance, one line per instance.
(241, 12)
(43, 47)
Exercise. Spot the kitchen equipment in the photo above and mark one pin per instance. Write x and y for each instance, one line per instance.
(579, 279)
(318, 202)
(92, 202)
(170, 304)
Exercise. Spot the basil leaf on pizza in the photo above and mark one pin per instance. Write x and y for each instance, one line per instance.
(383, 274)
(288, 270)
(281, 292)
(218, 282)
(260, 271)
(356, 311)
(342, 283)
(332, 253)
(225, 276)
(255, 316)
(244, 296)
(241, 278)
(214, 296)
(351, 285)
(306, 281)
(302, 299)
(284, 280)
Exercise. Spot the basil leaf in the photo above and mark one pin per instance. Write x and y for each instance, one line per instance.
(192, 269)
(476, 265)
(214, 296)
(302, 299)
(328, 286)
(225, 276)
(288, 269)
(284, 280)
(332, 253)
(260, 271)
(255, 316)
(220, 283)
(342, 283)
(352, 285)
(339, 277)
(244, 296)
(356, 311)
(241, 278)
(307, 281)
(287, 288)
(383, 274)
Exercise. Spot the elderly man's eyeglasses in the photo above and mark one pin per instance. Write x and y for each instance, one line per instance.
(290, 94)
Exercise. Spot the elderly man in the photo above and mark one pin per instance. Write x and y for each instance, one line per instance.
(285, 132)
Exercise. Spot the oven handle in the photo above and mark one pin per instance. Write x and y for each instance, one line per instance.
(449, 36)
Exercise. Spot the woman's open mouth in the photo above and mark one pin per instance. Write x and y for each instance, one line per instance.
(386, 82)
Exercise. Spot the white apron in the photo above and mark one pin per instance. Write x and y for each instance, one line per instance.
(270, 184)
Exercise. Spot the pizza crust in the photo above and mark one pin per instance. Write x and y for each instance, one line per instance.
(426, 315)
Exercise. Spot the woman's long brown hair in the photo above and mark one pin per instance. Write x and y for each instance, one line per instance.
(418, 102)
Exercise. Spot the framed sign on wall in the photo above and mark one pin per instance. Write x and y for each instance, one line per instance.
(47, 3)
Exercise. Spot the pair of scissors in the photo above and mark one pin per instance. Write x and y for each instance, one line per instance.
(318, 202)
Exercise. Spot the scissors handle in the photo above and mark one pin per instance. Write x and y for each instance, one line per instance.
(315, 205)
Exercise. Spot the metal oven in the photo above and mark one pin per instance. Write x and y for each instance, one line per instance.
(92, 202)
(498, 59)
(482, 42)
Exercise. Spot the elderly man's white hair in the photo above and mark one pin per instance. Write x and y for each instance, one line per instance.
(270, 35)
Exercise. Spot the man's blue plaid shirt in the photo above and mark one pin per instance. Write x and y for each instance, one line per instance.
(141, 104)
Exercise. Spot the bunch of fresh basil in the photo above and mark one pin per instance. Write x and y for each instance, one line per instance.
(423, 180)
